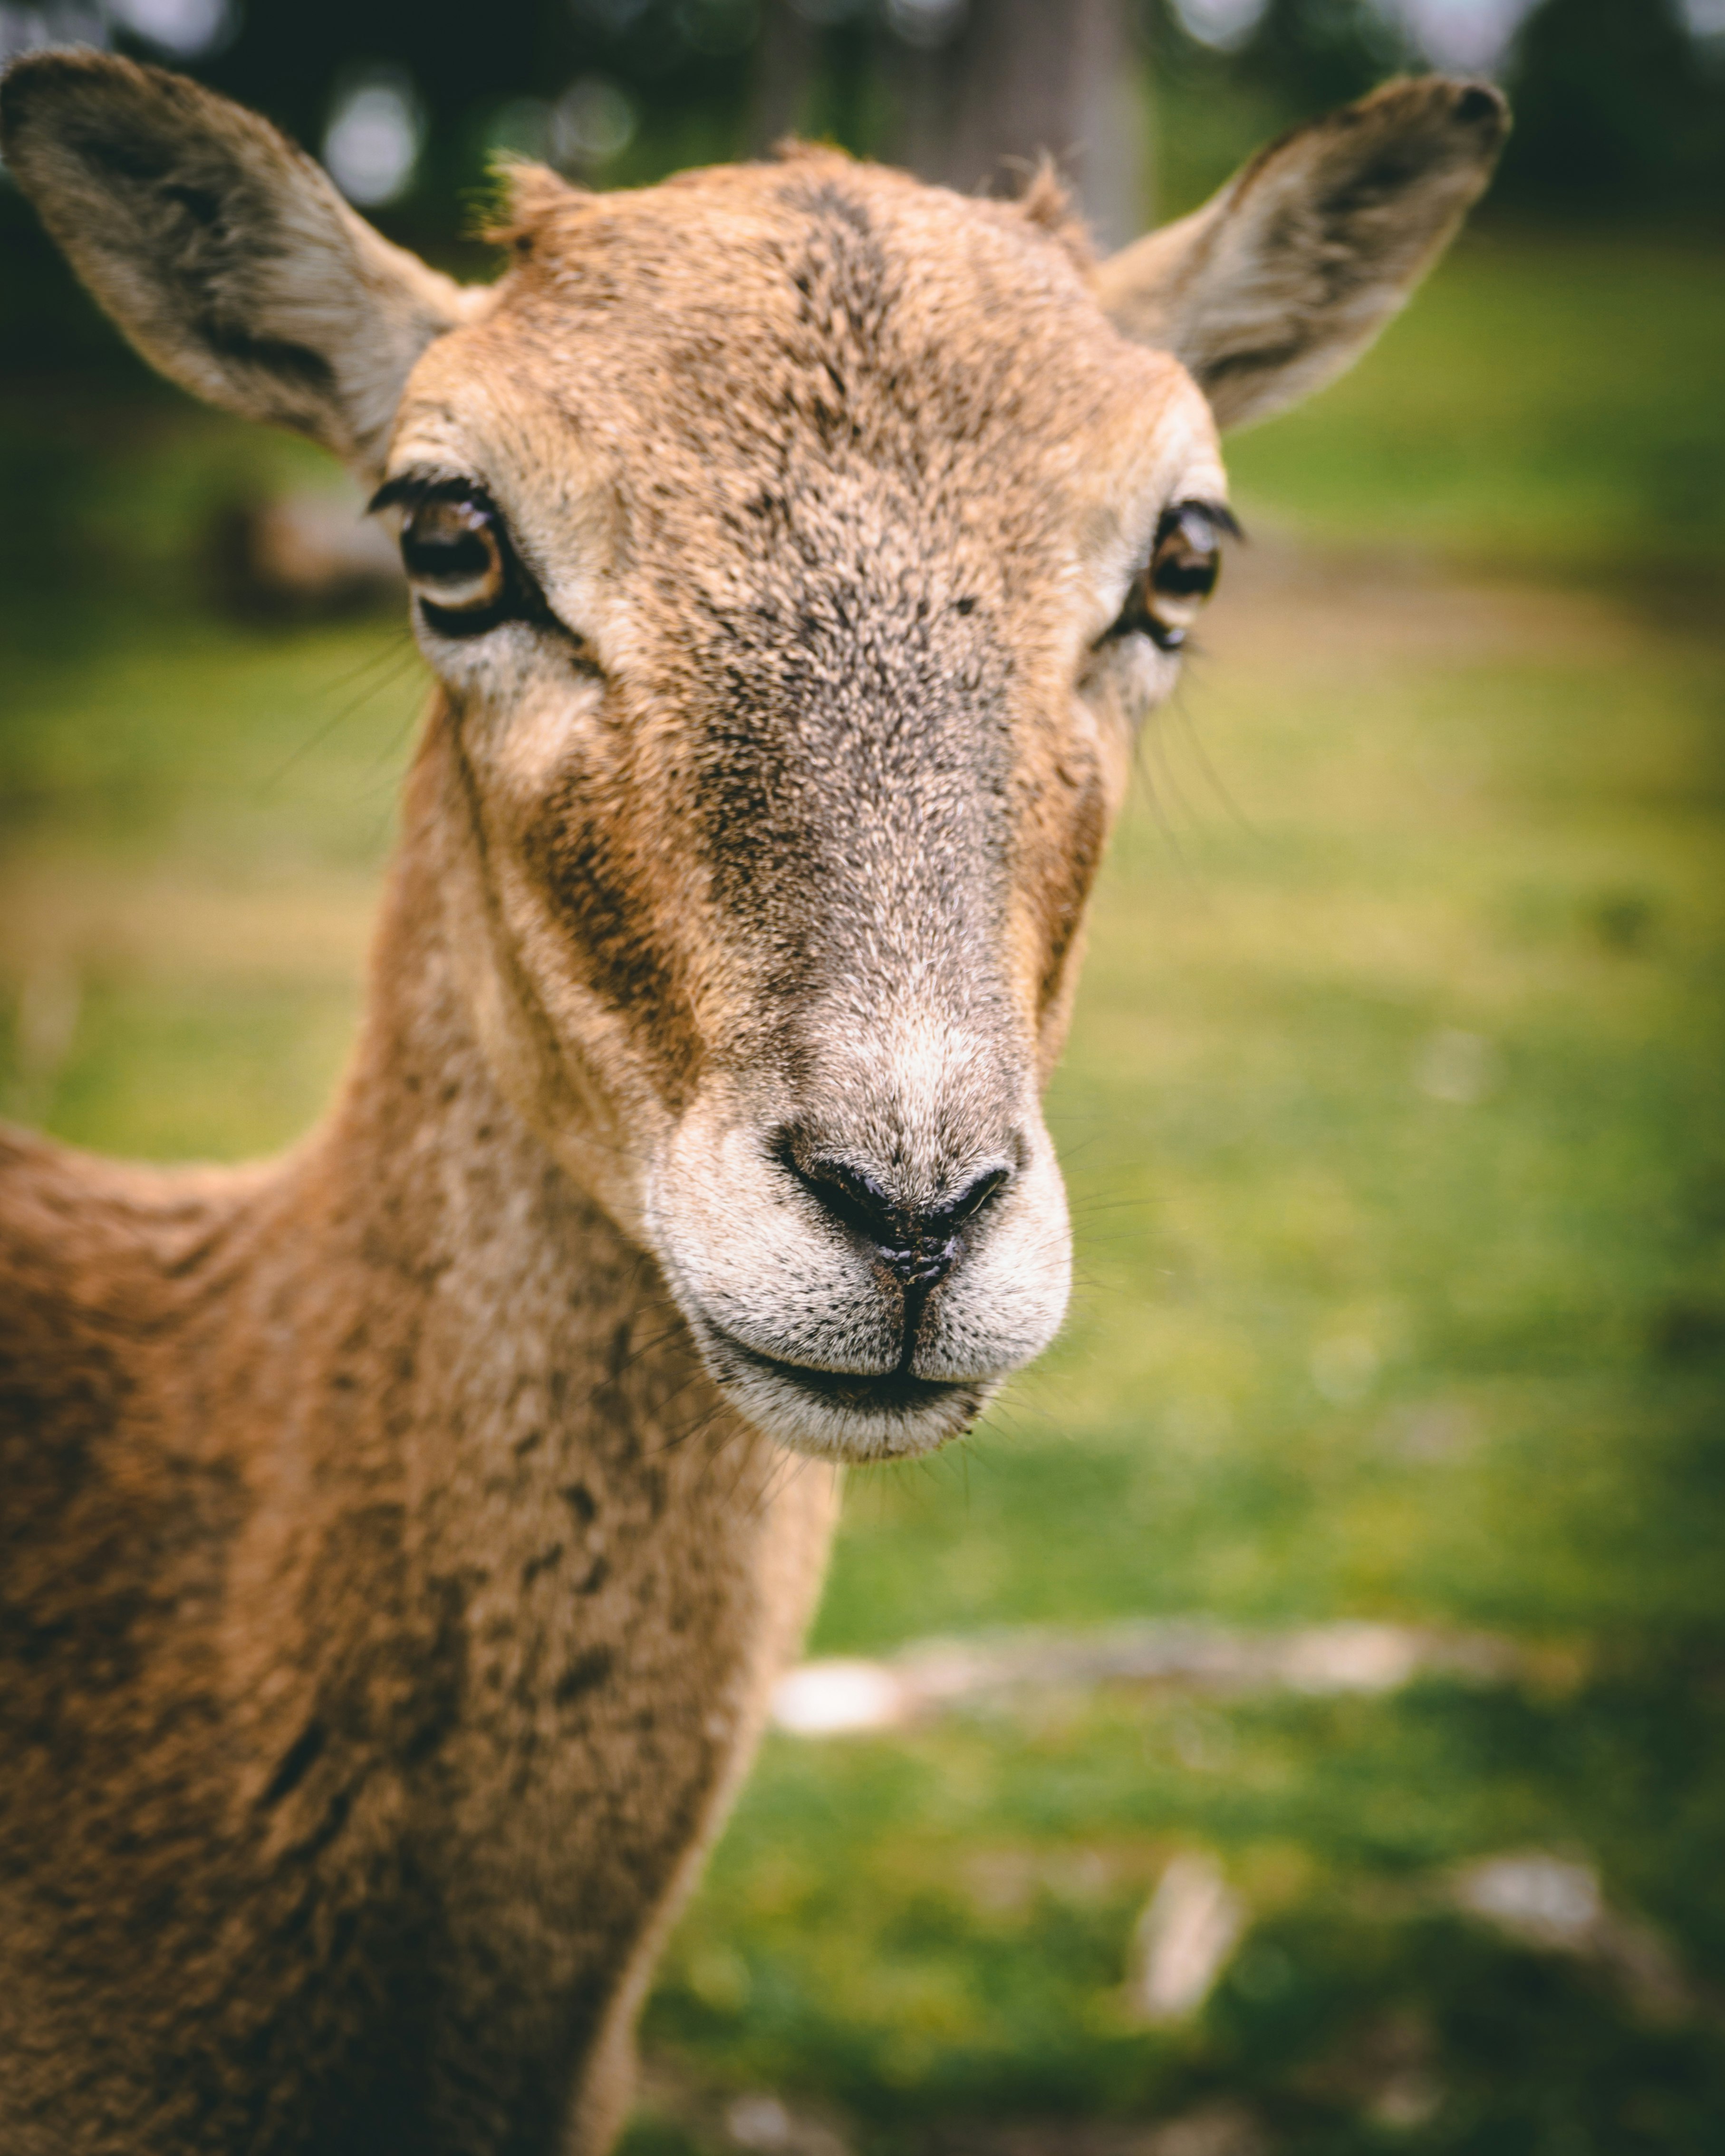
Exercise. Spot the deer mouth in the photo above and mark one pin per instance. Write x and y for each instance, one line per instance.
(842, 1414)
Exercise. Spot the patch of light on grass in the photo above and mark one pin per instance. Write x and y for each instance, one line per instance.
(1190, 1927)
(1544, 1899)
(1458, 1068)
(824, 1699)
(1345, 1368)
(1352, 1657)
(832, 1697)
(763, 2121)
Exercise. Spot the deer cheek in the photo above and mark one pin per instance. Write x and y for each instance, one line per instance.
(1069, 870)
(605, 893)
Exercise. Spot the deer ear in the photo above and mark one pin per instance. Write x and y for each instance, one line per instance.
(222, 252)
(1285, 277)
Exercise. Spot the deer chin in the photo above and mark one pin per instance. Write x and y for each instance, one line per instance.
(840, 1414)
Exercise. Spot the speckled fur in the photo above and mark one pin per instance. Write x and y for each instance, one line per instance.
(386, 1604)
(399, 1541)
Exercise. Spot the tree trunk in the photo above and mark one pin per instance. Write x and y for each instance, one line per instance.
(1011, 79)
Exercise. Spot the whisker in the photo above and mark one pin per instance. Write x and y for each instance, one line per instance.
(392, 657)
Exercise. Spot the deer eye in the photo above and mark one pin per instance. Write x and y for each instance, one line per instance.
(1180, 575)
(457, 560)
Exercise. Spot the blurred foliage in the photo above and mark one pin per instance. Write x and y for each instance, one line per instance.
(1619, 111)
(1620, 106)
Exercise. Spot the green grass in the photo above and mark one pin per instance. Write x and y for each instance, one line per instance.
(1548, 401)
(194, 815)
(936, 1927)
(1392, 1119)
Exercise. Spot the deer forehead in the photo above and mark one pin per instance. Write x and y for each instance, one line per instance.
(760, 374)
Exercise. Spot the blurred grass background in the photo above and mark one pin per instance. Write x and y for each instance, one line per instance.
(1392, 1119)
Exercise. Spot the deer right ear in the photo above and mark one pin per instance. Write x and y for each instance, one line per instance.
(1285, 277)
(224, 253)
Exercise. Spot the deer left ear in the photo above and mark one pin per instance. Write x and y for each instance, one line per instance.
(222, 251)
(1285, 277)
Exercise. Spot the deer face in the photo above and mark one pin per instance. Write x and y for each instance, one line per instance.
(798, 548)
(780, 538)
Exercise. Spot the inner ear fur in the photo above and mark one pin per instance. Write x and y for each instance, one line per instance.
(1285, 277)
(224, 253)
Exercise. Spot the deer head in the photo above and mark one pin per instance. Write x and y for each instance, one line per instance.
(798, 549)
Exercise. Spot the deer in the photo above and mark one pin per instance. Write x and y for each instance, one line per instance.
(400, 1539)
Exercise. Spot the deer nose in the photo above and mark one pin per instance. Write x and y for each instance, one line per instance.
(917, 1245)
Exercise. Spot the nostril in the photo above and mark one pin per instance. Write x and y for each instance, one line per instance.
(919, 1245)
(975, 1196)
(849, 1194)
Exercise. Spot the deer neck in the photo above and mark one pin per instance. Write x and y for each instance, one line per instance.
(470, 1274)
(416, 1485)
(473, 1360)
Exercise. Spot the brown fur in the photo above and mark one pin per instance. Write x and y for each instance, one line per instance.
(399, 1539)
(388, 1605)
